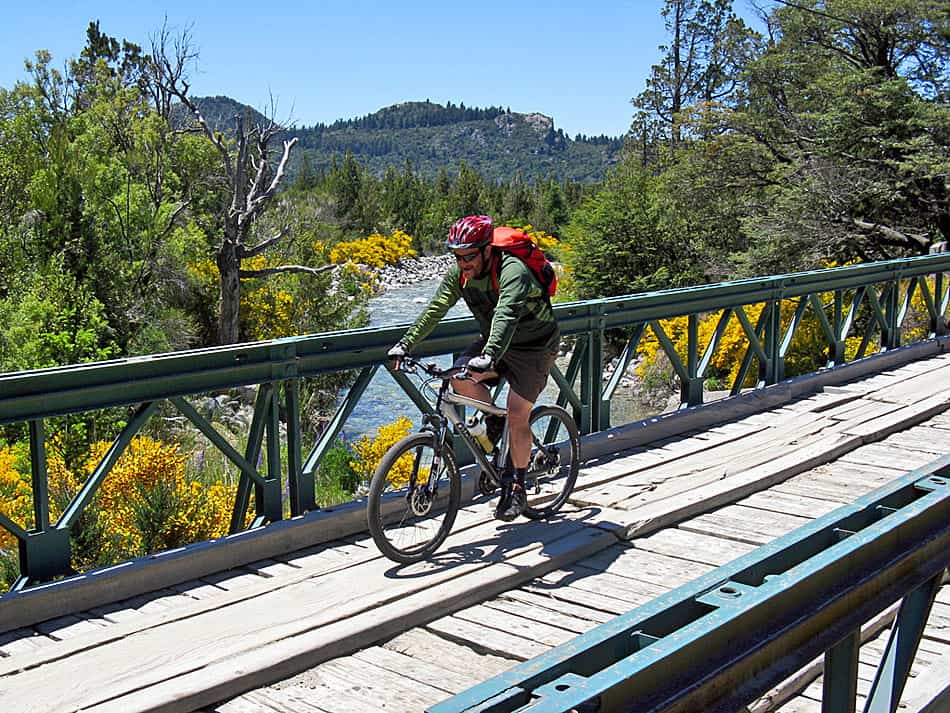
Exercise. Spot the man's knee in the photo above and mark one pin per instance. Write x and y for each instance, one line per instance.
(519, 410)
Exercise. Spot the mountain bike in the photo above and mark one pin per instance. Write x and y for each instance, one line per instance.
(416, 490)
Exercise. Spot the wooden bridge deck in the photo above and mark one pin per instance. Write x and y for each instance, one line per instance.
(349, 631)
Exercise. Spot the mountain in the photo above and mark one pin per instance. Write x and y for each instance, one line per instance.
(495, 141)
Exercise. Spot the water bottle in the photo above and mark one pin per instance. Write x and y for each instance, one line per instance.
(476, 427)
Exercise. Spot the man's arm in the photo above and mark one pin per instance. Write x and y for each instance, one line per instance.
(446, 295)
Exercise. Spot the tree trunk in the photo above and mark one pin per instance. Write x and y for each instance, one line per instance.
(229, 319)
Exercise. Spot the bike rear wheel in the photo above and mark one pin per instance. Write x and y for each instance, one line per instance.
(555, 460)
(412, 503)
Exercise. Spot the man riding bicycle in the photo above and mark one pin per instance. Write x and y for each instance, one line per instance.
(519, 339)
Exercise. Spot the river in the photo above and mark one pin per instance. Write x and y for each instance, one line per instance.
(383, 401)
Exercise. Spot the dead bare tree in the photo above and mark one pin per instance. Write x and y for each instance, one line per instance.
(252, 176)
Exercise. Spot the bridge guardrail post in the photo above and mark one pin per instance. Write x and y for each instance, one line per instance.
(691, 388)
(592, 370)
(44, 552)
(300, 485)
(891, 334)
(836, 350)
(771, 370)
(939, 326)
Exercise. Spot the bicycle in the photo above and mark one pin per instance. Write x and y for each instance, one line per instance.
(415, 492)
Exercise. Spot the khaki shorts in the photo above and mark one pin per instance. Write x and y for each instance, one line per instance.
(525, 371)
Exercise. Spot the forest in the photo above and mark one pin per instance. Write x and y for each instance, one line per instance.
(130, 225)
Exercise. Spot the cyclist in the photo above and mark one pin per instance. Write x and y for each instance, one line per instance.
(519, 340)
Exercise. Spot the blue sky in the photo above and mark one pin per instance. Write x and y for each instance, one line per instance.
(579, 62)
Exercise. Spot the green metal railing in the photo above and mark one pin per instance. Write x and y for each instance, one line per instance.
(726, 638)
(869, 301)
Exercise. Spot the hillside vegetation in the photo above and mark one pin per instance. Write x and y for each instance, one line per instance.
(496, 142)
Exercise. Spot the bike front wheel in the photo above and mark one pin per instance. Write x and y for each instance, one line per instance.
(413, 498)
(555, 460)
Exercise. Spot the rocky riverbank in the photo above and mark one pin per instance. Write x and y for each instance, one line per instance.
(410, 271)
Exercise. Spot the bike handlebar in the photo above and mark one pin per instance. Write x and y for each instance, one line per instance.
(410, 364)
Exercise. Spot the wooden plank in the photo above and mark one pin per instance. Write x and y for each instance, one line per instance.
(836, 495)
(938, 623)
(300, 622)
(162, 569)
(647, 566)
(487, 639)
(801, 704)
(710, 465)
(650, 517)
(532, 611)
(929, 693)
(69, 627)
(776, 501)
(196, 589)
(425, 672)
(528, 628)
(883, 456)
(864, 409)
(908, 391)
(23, 640)
(852, 483)
(771, 522)
(270, 568)
(916, 412)
(330, 691)
(234, 579)
(921, 438)
(758, 528)
(427, 646)
(604, 591)
(494, 545)
(543, 603)
(257, 702)
(280, 700)
(693, 547)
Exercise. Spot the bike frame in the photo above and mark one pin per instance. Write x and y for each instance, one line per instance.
(446, 402)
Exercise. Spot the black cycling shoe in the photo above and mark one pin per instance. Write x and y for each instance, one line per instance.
(511, 504)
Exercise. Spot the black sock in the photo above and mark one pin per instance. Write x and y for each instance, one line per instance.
(519, 476)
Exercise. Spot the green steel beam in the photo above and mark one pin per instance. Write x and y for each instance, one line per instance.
(724, 639)
(339, 418)
(713, 345)
(840, 676)
(300, 485)
(908, 628)
(11, 527)
(252, 453)
(62, 390)
(39, 476)
(623, 361)
(91, 486)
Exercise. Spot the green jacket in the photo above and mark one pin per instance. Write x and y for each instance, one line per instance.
(520, 317)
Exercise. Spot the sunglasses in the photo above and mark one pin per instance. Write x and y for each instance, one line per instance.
(467, 258)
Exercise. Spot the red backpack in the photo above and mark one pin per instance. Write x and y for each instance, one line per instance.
(518, 243)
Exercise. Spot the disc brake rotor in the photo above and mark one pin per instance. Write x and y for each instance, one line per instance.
(420, 502)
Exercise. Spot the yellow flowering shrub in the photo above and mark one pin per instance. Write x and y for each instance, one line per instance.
(807, 352)
(267, 311)
(176, 511)
(145, 504)
(16, 498)
(549, 244)
(370, 452)
(375, 250)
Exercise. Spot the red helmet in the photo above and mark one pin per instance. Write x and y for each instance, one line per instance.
(472, 231)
